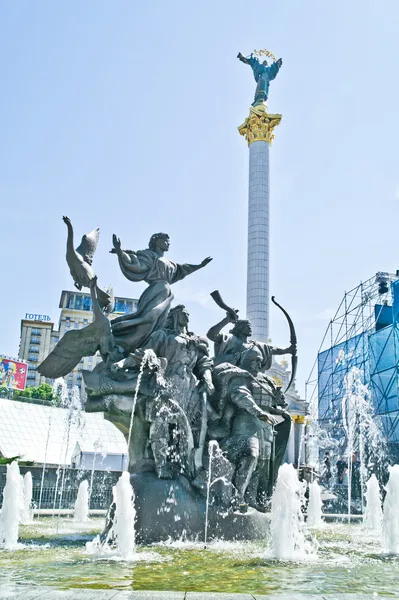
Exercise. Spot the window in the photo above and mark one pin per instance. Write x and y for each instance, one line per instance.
(32, 367)
(34, 349)
(31, 376)
(32, 357)
(85, 321)
(76, 325)
(34, 340)
(36, 332)
(79, 376)
(86, 303)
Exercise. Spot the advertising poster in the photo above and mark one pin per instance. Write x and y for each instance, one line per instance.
(13, 374)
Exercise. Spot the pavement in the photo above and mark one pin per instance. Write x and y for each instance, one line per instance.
(25, 592)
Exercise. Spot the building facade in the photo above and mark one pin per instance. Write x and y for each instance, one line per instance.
(39, 334)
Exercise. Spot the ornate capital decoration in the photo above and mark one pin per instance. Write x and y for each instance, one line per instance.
(300, 419)
(259, 126)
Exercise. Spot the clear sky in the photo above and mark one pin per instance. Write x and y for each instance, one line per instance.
(123, 115)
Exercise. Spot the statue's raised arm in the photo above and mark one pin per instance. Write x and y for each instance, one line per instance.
(263, 74)
(127, 257)
(159, 272)
(243, 59)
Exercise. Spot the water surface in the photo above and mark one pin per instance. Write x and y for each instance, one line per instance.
(349, 560)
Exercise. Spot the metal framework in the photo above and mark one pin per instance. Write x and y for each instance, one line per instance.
(364, 333)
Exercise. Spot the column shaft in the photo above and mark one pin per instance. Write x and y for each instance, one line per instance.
(258, 240)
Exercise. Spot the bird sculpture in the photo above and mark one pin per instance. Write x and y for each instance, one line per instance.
(77, 343)
(80, 260)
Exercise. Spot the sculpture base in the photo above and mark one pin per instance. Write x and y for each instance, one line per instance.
(174, 509)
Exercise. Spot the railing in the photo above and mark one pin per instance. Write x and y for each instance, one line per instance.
(100, 498)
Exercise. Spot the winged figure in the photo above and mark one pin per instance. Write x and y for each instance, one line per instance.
(80, 260)
(76, 344)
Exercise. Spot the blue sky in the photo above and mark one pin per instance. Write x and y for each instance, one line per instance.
(124, 115)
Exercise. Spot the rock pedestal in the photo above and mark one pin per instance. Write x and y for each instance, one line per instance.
(174, 509)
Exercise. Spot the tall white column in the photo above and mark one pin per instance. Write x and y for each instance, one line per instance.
(258, 130)
(258, 240)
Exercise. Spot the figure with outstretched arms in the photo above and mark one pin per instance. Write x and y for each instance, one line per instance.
(133, 330)
(263, 74)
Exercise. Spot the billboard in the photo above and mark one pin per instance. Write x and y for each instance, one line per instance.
(13, 374)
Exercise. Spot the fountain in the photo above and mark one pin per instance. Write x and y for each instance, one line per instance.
(373, 511)
(206, 440)
(81, 510)
(288, 540)
(119, 534)
(365, 444)
(315, 505)
(211, 451)
(27, 488)
(390, 521)
(73, 415)
(123, 528)
(12, 507)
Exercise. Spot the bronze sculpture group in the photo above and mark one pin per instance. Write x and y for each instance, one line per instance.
(183, 397)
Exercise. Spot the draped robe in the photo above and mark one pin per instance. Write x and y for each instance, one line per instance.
(133, 330)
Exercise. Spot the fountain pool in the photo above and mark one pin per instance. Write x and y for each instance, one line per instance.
(349, 558)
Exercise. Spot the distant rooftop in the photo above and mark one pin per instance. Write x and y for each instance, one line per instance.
(24, 431)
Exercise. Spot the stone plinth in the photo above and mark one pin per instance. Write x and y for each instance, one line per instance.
(174, 509)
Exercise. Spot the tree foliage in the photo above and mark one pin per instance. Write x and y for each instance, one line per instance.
(43, 392)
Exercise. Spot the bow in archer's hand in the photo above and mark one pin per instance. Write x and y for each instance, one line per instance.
(293, 342)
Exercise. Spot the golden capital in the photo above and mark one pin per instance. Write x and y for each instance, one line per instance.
(259, 126)
(300, 419)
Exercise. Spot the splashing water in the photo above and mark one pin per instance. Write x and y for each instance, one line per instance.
(315, 506)
(149, 357)
(10, 516)
(121, 533)
(27, 490)
(390, 522)
(212, 446)
(288, 541)
(98, 447)
(60, 391)
(124, 516)
(73, 415)
(373, 512)
(81, 510)
(364, 439)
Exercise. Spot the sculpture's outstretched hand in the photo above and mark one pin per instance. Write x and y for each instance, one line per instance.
(280, 62)
(205, 262)
(242, 58)
(67, 220)
(117, 245)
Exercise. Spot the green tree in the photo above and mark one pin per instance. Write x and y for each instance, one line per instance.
(42, 392)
